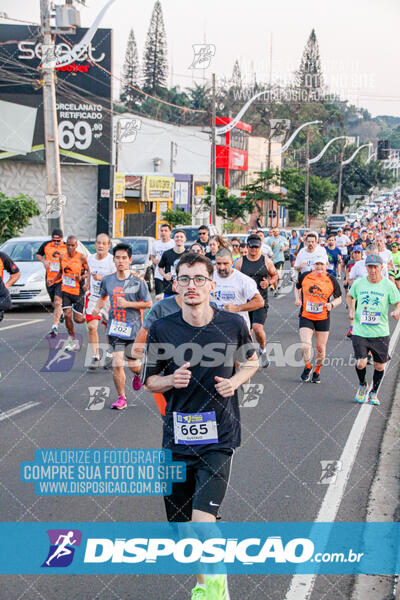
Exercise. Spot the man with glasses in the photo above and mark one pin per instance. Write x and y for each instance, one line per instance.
(204, 395)
(204, 237)
(49, 255)
(261, 269)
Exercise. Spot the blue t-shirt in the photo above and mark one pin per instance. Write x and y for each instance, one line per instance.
(333, 257)
(293, 243)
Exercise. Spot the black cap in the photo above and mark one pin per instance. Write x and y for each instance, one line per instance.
(57, 232)
(254, 241)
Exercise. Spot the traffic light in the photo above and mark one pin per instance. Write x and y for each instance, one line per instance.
(383, 149)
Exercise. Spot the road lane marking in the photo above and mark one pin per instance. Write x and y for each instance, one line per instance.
(21, 324)
(301, 586)
(16, 410)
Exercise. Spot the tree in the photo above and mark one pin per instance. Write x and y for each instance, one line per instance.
(229, 207)
(200, 96)
(236, 75)
(155, 66)
(15, 214)
(177, 217)
(309, 76)
(130, 72)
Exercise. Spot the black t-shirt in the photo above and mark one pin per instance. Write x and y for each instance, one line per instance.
(211, 351)
(168, 262)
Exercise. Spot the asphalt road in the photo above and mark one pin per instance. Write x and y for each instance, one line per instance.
(288, 428)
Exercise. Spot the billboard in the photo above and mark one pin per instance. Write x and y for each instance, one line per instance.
(83, 92)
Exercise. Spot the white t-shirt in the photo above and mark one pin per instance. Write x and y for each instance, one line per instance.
(310, 258)
(360, 270)
(341, 241)
(238, 288)
(102, 267)
(266, 250)
(386, 255)
(157, 250)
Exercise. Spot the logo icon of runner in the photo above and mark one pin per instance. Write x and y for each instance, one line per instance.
(62, 547)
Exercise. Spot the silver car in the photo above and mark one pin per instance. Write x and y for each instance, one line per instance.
(31, 286)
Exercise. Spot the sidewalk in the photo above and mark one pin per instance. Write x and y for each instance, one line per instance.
(384, 504)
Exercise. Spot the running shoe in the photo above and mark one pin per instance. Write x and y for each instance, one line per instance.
(108, 363)
(198, 593)
(95, 363)
(120, 404)
(1, 315)
(315, 378)
(54, 331)
(305, 376)
(217, 587)
(361, 393)
(264, 362)
(349, 334)
(72, 345)
(62, 318)
(136, 382)
(373, 399)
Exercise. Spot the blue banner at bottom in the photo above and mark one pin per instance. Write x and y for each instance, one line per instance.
(155, 548)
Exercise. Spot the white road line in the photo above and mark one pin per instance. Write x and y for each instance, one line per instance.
(301, 586)
(21, 324)
(18, 409)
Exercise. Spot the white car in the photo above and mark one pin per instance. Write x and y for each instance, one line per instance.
(31, 286)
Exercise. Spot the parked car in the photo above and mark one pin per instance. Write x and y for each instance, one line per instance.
(31, 286)
(192, 233)
(335, 222)
(141, 263)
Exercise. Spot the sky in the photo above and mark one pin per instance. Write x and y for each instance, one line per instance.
(358, 40)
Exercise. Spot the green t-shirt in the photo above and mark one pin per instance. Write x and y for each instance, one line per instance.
(373, 300)
(396, 258)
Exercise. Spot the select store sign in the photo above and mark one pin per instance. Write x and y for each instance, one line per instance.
(83, 92)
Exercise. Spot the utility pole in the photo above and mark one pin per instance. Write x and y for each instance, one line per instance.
(339, 197)
(172, 157)
(53, 170)
(268, 167)
(213, 177)
(306, 194)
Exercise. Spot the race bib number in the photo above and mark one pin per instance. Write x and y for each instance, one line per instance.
(195, 428)
(370, 317)
(120, 329)
(68, 281)
(54, 267)
(96, 288)
(314, 307)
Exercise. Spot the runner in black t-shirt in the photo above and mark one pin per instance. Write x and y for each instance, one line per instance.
(170, 259)
(201, 383)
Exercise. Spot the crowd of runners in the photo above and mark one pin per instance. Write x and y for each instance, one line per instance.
(211, 300)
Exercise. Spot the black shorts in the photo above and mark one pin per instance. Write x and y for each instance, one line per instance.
(279, 265)
(159, 286)
(54, 290)
(378, 346)
(120, 345)
(259, 315)
(207, 478)
(71, 300)
(321, 325)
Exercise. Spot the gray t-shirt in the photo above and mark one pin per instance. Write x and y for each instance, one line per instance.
(124, 322)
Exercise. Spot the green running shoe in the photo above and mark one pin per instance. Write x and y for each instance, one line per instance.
(217, 587)
(198, 593)
(361, 394)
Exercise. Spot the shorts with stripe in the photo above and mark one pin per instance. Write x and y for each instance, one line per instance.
(207, 478)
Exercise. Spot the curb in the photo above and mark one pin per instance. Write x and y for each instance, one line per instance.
(384, 504)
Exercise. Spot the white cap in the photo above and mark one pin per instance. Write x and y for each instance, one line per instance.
(321, 259)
